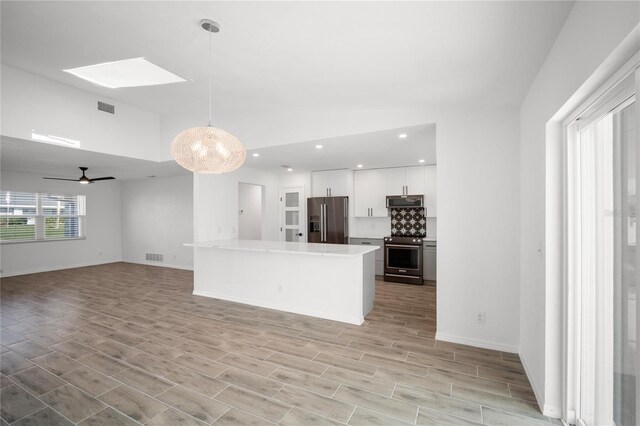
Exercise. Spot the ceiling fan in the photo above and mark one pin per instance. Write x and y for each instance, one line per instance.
(83, 179)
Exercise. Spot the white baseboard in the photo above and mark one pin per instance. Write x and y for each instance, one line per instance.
(551, 411)
(534, 385)
(325, 315)
(55, 268)
(160, 264)
(476, 342)
(546, 409)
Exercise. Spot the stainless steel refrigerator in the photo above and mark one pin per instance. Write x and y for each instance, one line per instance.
(328, 220)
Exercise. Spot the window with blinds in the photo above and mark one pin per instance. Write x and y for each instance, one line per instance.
(29, 216)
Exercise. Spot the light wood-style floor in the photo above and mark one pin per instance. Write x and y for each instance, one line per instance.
(128, 344)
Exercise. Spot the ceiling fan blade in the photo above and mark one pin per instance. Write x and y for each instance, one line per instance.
(102, 178)
(71, 180)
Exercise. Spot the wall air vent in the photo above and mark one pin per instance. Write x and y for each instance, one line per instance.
(155, 257)
(106, 107)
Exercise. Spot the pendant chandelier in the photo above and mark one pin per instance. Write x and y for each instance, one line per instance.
(208, 150)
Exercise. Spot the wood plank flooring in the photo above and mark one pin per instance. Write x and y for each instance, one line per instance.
(129, 344)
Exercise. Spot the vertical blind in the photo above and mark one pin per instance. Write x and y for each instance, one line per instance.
(29, 216)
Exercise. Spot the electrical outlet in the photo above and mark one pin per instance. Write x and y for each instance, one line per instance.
(481, 318)
(219, 229)
(279, 289)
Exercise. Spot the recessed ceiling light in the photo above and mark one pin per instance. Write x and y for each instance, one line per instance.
(421, 161)
(402, 135)
(318, 146)
(127, 73)
(255, 154)
(289, 169)
(359, 166)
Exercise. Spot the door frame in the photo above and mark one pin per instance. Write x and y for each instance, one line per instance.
(302, 209)
(574, 379)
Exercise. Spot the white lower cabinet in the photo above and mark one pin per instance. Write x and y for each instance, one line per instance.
(379, 253)
(430, 257)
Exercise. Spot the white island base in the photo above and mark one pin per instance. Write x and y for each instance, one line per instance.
(330, 281)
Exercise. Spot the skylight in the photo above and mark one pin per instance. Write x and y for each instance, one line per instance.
(135, 72)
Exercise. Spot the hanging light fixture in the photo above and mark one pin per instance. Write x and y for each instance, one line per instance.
(208, 150)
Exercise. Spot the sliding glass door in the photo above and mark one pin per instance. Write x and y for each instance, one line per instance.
(602, 262)
(625, 330)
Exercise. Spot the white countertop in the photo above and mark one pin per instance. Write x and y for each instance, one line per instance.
(284, 247)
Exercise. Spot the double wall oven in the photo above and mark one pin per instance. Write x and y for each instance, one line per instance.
(403, 259)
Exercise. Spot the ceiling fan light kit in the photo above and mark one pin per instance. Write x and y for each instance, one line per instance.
(84, 180)
(208, 150)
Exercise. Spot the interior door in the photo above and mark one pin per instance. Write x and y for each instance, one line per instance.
(292, 215)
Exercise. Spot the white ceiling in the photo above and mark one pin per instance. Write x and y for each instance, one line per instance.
(56, 161)
(294, 55)
(372, 150)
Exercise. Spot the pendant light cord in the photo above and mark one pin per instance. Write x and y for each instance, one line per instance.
(210, 74)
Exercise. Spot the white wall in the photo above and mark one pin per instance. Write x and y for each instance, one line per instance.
(215, 204)
(103, 240)
(478, 204)
(477, 157)
(32, 103)
(370, 227)
(249, 211)
(590, 34)
(157, 217)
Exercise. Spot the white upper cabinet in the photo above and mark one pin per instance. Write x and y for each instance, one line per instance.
(320, 184)
(379, 193)
(361, 198)
(330, 183)
(370, 191)
(396, 181)
(339, 183)
(415, 180)
(430, 196)
(405, 181)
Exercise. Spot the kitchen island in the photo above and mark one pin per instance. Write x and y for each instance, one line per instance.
(331, 281)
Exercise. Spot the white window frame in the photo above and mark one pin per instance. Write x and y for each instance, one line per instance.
(40, 219)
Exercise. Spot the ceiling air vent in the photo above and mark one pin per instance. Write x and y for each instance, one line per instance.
(106, 107)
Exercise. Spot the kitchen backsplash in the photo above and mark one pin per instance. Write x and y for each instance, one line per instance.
(409, 221)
